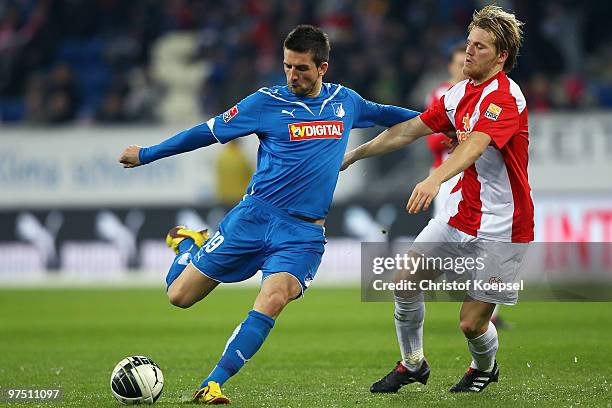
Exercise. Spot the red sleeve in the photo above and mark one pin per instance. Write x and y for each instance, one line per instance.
(434, 142)
(499, 118)
(435, 117)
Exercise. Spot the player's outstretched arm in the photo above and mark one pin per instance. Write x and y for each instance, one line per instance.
(185, 141)
(391, 139)
(464, 155)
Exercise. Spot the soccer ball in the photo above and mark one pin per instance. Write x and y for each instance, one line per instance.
(137, 380)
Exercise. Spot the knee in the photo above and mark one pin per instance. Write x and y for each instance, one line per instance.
(276, 301)
(473, 328)
(272, 303)
(178, 298)
(276, 292)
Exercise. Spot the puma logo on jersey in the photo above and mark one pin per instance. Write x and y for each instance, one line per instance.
(288, 113)
(184, 259)
(241, 356)
(328, 129)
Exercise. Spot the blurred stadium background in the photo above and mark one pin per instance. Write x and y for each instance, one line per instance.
(79, 80)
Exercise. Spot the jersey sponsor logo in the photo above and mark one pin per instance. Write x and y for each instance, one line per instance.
(328, 129)
(493, 112)
(230, 113)
(462, 135)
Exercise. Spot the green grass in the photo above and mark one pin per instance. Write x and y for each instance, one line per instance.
(324, 351)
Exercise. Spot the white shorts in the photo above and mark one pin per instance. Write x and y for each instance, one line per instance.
(496, 263)
(439, 202)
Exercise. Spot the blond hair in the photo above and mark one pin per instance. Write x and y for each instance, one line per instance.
(506, 29)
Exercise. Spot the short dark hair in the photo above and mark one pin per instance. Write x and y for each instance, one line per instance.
(307, 38)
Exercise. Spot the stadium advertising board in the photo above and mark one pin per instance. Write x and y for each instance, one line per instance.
(72, 167)
(83, 243)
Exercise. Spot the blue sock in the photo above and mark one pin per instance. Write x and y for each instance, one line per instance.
(241, 346)
(187, 249)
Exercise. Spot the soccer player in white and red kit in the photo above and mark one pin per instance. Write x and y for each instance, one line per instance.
(492, 203)
(440, 145)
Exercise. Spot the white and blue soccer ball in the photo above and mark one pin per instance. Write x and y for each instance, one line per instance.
(137, 380)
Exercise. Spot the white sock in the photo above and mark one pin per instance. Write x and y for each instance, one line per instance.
(409, 317)
(483, 349)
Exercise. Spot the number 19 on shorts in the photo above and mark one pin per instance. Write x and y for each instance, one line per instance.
(214, 242)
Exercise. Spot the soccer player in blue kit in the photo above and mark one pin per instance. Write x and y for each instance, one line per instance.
(303, 130)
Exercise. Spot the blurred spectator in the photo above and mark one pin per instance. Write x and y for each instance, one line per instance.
(563, 28)
(234, 171)
(141, 103)
(387, 50)
(574, 90)
(112, 109)
(53, 98)
(62, 96)
(386, 87)
(538, 94)
(35, 99)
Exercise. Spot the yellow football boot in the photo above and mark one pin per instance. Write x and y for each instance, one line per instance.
(180, 232)
(210, 395)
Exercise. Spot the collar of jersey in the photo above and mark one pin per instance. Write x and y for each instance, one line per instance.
(488, 81)
(282, 93)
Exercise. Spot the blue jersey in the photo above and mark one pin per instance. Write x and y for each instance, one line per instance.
(302, 141)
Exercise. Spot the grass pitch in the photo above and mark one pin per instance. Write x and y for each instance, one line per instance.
(324, 351)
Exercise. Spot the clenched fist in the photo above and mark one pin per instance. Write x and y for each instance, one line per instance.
(129, 156)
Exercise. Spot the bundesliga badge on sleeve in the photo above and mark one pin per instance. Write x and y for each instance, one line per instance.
(493, 112)
(230, 113)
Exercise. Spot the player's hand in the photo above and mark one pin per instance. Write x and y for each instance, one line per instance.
(129, 156)
(422, 195)
(451, 134)
(347, 161)
(450, 145)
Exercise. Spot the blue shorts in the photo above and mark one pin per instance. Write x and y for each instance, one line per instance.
(255, 236)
